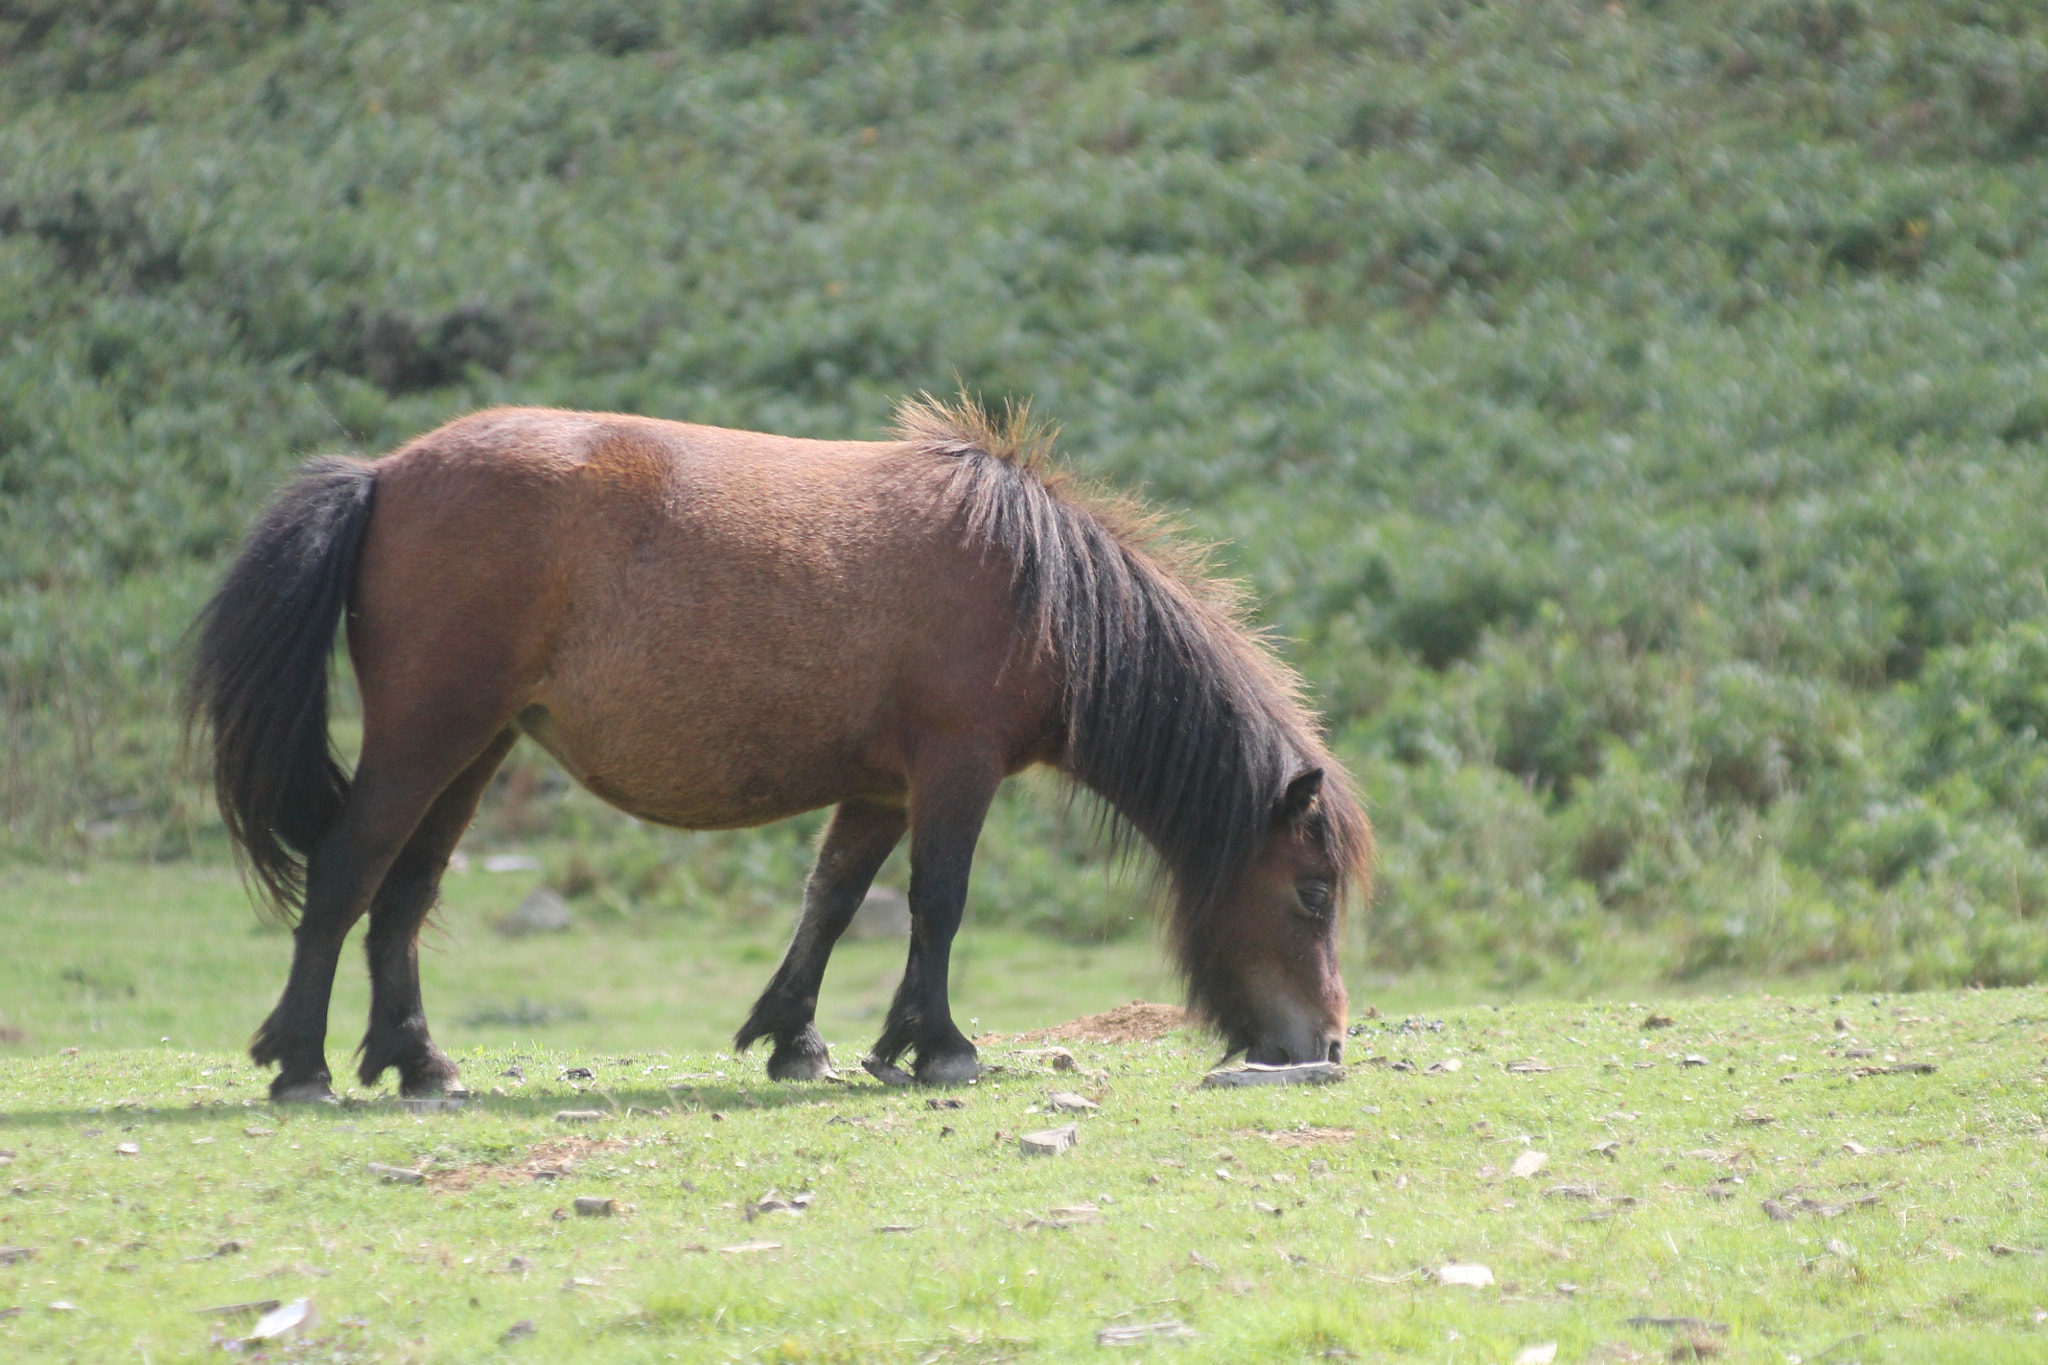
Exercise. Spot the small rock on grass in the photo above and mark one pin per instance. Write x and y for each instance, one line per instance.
(15, 1255)
(1138, 1333)
(1067, 1102)
(1465, 1273)
(596, 1206)
(1304, 1073)
(518, 1331)
(775, 1202)
(255, 1308)
(1543, 1353)
(1529, 1163)
(887, 1073)
(1051, 1141)
(285, 1320)
(395, 1175)
(578, 1115)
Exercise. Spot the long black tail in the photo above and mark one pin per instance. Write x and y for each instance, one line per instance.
(259, 674)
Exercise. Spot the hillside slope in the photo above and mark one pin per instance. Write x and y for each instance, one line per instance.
(1631, 415)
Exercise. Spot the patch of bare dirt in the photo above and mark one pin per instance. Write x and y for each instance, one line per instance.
(1137, 1022)
(544, 1161)
(1309, 1137)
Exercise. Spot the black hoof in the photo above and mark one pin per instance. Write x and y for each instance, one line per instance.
(804, 1059)
(948, 1068)
(446, 1081)
(307, 1090)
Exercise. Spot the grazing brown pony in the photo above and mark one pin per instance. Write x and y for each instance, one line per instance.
(713, 629)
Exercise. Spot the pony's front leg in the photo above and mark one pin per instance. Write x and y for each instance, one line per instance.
(945, 821)
(856, 844)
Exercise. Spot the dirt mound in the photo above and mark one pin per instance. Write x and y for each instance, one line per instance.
(1137, 1022)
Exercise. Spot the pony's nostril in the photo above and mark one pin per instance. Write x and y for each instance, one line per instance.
(1336, 1049)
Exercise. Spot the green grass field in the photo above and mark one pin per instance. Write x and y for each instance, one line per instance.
(1630, 419)
(124, 957)
(1298, 1224)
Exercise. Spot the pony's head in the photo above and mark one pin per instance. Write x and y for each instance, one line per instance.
(1264, 974)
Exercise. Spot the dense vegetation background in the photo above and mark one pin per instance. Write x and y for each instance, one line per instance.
(1630, 415)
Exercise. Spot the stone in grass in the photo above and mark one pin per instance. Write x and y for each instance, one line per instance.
(596, 1206)
(542, 912)
(395, 1175)
(1252, 1073)
(1050, 1141)
(578, 1115)
(1466, 1273)
(518, 1331)
(255, 1308)
(285, 1320)
(1067, 1102)
(776, 1202)
(888, 1073)
(1138, 1333)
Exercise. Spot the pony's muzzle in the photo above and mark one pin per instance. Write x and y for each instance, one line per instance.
(1291, 1047)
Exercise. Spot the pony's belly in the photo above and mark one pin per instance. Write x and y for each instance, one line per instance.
(727, 780)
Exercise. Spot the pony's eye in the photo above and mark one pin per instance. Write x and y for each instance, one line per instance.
(1314, 898)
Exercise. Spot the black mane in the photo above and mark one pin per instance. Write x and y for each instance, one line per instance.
(1175, 713)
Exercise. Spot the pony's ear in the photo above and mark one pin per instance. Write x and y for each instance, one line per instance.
(1295, 800)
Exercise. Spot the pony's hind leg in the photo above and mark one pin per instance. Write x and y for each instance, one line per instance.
(945, 822)
(342, 872)
(398, 1035)
(856, 844)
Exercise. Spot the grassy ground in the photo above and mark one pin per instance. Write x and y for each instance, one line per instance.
(123, 956)
(1274, 1224)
